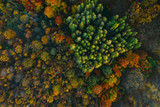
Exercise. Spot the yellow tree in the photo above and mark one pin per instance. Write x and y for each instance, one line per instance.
(143, 12)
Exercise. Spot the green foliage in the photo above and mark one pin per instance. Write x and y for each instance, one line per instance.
(106, 70)
(97, 40)
(152, 61)
(89, 91)
(93, 80)
(70, 74)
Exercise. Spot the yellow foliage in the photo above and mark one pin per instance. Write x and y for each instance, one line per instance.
(69, 86)
(47, 30)
(113, 93)
(10, 76)
(51, 2)
(144, 11)
(85, 101)
(48, 12)
(18, 101)
(1, 6)
(39, 63)
(74, 82)
(25, 54)
(23, 2)
(81, 82)
(50, 99)
(45, 39)
(64, 7)
(147, 3)
(38, 7)
(16, 12)
(56, 90)
(4, 58)
(27, 62)
(45, 56)
(111, 80)
(1, 47)
(31, 101)
(8, 4)
(2, 98)
(4, 52)
(46, 85)
(54, 7)
(85, 96)
(33, 56)
(37, 44)
(9, 34)
(152, 91)
(24, 19)
(74, 9)
(60, 105)
(19, 49)
(135, 9)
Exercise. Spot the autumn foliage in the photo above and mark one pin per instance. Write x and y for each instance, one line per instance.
(143, 11)
(97, 89)
(32, 5)
(58, 20)
(132, 59)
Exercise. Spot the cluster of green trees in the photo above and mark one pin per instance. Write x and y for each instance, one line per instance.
(97, 40)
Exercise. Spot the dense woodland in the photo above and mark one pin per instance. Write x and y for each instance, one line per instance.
(79, 53)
